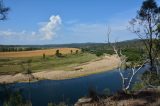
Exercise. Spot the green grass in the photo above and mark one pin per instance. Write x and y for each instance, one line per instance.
(14, 65)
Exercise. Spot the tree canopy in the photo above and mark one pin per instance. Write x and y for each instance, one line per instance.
(147, 26)
(3, 11)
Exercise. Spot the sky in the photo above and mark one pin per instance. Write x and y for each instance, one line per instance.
(67, 21)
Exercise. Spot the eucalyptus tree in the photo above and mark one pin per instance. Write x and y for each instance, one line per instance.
(147, 26)
(3, 11)
(134, 67)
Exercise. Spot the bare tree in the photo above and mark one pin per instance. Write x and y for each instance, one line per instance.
(146, 26)
(126, 80)
(3, 11)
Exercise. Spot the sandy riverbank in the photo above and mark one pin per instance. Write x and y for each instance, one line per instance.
(106, 63)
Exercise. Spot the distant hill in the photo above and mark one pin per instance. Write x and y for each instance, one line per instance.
(127, 43)
(77, 45)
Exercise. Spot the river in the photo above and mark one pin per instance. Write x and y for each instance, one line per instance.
(68, 91)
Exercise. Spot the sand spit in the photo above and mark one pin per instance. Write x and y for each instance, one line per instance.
(106, 63)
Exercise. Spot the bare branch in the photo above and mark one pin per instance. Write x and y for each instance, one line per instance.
(122, 58)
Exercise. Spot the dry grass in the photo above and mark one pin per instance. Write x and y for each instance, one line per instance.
(148, 97)
(36, 52)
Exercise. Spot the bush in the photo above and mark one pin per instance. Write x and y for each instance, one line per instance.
(16, 99)
(138, 86)
(99, 54)
(133, 55)
(151, 78)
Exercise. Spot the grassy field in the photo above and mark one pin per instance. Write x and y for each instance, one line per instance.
(10, 65)
(36, 52)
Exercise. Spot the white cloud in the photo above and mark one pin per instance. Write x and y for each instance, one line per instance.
(46, 32)
(49, 28)
(71, 31)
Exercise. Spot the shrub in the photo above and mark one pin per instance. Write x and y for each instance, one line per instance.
(138, 86)
(133, 55)
(16, 99)
(151, 78)
(99, 53)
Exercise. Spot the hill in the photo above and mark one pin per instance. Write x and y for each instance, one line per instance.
(129, 43)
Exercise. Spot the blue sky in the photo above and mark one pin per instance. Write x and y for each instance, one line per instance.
(67, 21)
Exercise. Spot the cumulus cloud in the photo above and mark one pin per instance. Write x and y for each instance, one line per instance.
(72, 31)
(48, 30)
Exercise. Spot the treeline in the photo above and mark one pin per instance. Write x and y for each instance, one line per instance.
(16, 49)
(131, 48)
(96, 48)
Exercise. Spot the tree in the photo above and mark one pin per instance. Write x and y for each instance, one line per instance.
(44, 55)
(147, 26)
(134, 67)
(77, 51)
(58, 54)
(99, 53)
(3, 10)
(71, 51)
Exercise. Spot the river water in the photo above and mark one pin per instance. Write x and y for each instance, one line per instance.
(68, 91)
